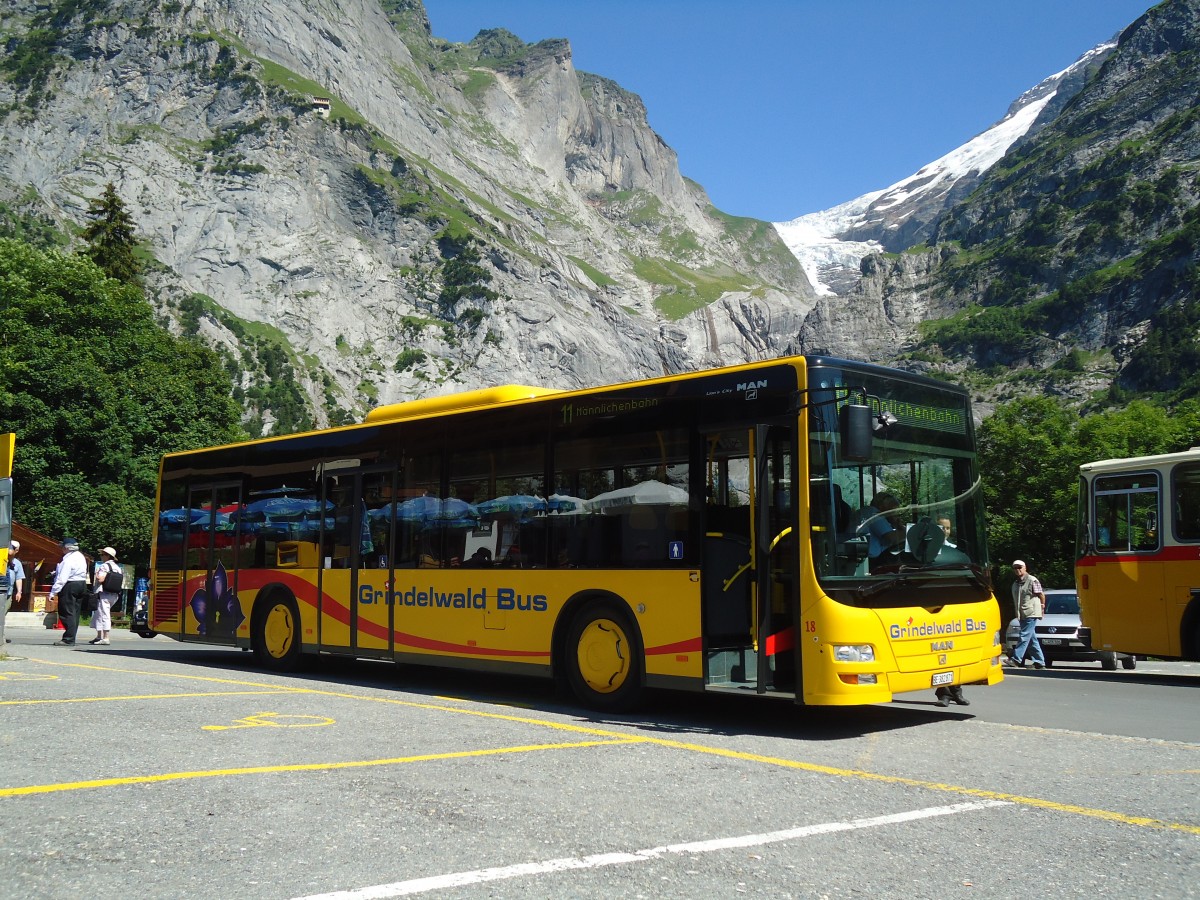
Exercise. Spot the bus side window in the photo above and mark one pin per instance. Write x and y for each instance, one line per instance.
(1187, 503)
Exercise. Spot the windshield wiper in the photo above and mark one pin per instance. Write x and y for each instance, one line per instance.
(919, 574)
(904, 578)
(978, 574)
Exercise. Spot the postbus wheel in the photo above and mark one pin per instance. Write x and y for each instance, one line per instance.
(604, 661)
(276, 635)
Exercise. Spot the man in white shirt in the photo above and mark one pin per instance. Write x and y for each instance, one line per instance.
(70, 584)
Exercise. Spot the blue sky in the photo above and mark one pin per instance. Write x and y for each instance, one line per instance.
(784, 107)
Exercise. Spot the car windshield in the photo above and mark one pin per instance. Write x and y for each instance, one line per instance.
(1062, 604)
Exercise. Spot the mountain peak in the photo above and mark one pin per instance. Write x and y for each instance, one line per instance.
(831, 243)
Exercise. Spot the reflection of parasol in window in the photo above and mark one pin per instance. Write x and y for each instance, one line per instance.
(644, 493)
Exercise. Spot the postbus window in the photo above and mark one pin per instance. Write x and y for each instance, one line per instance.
(279, 518)
(621, 500)
(339, 534)
(497, 497)
(172, 526)
(1127, 512)
(378, 503)
(1187, 502)
(418, 541)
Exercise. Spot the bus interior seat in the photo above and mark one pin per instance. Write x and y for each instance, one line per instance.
(483, 538)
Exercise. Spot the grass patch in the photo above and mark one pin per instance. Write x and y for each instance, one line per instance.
(598, 278)
(688, 289)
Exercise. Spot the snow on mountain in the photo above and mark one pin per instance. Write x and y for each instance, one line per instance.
(814, 240)
(830, 244)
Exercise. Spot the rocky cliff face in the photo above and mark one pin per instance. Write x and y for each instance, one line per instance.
(304, 171)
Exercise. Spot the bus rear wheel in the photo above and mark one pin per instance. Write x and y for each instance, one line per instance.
(604, 663)
(276, 635)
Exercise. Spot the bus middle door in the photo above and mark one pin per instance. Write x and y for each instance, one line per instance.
(355, 594)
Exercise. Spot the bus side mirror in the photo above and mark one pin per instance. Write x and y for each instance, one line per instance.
(857, 433)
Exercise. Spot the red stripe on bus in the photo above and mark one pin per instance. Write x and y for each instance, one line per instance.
(688, 645)
(1166, 554)
(411, 640)
(778, 643)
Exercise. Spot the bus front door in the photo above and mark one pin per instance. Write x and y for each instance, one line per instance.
(748, 569)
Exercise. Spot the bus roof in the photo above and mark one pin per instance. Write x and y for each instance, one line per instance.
(1138, 462)
(515, 393)
(456, 402)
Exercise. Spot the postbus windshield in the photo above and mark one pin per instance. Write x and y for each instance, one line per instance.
(889, 529)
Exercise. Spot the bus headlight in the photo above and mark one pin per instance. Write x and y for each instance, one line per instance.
(854, 653)
(996, 638)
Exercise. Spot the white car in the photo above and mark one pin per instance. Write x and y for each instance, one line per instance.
(1058, 633)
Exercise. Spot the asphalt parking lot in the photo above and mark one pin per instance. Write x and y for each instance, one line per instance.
(168, 770)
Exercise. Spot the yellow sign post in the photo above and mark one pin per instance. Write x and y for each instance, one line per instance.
(8, 443)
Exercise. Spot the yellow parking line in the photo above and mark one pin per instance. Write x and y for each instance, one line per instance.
(257, 684)
(615, 738)
(297, 767)
(139, 697)
(1105, 814)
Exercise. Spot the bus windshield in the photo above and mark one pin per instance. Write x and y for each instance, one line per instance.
(888, 529)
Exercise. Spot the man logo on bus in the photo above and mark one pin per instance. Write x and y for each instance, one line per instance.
(751, 388)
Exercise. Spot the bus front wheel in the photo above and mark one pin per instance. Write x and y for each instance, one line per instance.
(276, 635)
(604, 663)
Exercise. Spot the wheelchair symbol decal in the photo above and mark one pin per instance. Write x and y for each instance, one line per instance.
(273, 720)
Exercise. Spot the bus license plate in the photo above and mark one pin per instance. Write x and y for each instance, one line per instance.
(943, 678)
(1053, 641)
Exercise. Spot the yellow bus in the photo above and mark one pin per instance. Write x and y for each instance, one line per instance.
(710, 531)
(1138, 563)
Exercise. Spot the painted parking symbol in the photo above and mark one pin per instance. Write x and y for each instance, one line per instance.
(273, 720)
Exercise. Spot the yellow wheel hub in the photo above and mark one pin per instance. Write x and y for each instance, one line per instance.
(603, 656)
(279, 631)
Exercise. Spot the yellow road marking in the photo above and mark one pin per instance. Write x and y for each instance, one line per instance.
(295, 767)
(1037, 802)
(615, 738)
(272, 720)
(140, 697)
(258, 684)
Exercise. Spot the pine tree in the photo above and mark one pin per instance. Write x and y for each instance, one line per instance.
(110, 237)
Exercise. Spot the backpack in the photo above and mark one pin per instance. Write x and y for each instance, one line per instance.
(112, 581)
